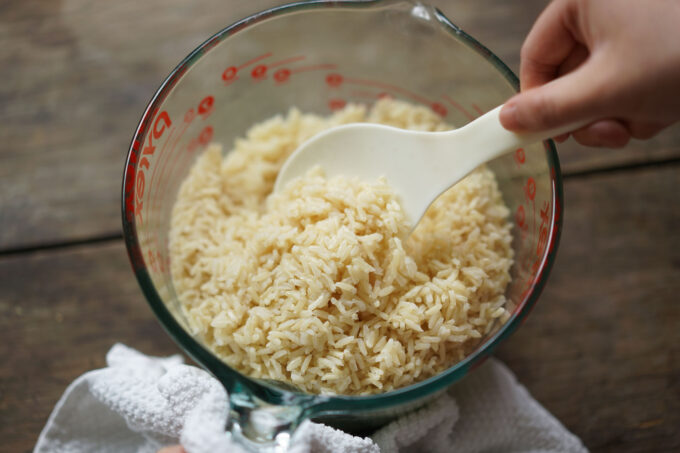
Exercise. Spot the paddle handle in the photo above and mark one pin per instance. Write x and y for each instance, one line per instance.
(487, 136)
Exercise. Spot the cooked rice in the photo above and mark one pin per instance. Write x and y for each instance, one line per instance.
(320, 285)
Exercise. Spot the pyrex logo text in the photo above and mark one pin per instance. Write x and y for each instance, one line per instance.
(137, 179)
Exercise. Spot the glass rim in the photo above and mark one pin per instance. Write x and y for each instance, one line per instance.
(230, 377)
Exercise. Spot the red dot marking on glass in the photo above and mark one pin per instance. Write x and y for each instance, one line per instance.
(259, 72)
(205, 107)
(520, 216)
(230, 74)
(531, 188)
(334, 80)
(459, 107)
(439, 109)
(282, 75)
(336, 104)
(520, 157)
(384, 94)
(206, 135)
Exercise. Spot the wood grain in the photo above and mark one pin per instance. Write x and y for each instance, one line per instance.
(601, 350)
(60, 311)
(78, 74)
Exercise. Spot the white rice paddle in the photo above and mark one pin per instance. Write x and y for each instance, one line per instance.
(419, 166)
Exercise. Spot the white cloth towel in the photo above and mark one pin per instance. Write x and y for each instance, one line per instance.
(139, 404)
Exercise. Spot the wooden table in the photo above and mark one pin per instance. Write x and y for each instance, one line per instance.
(601, 350)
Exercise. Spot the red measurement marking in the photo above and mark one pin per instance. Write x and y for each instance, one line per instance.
(520, 217)
(287, 61)
(136, 144)
(166, 123)
(140, 183)
(315, 67)
(334, 80)
(282, 75)
(336, 104)
(439, 109)
(254, 60)
(189, 116)
(520, 157)
(460, 108)
(259, 72)
(533, 261)
(477, 109)
(389, 87)
(230, 74)
(206, 135)
(383, 94)
(530, 188)
(134, 201)
(205, 107)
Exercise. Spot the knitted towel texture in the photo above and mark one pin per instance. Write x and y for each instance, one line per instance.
(138, 404)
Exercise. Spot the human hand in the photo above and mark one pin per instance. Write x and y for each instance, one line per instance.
(615, 63)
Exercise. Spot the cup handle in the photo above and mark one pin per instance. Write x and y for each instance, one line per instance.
(259, 426)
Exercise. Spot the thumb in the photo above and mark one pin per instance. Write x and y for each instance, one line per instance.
(573, 98)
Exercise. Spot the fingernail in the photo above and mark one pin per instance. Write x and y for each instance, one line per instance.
(508, 117)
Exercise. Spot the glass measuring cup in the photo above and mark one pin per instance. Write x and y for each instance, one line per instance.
(319, 56)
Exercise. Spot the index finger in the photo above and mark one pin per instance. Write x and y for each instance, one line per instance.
(550, 42)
